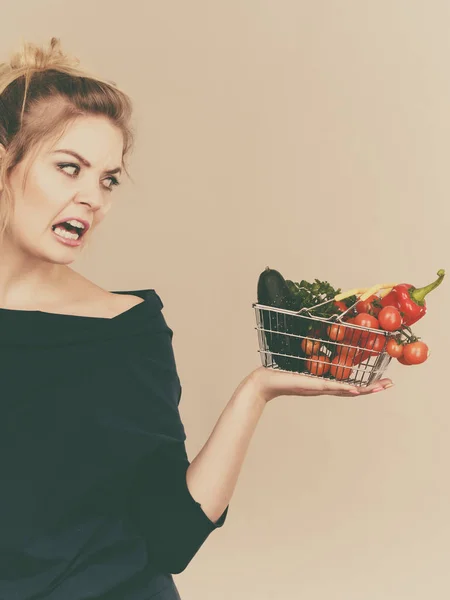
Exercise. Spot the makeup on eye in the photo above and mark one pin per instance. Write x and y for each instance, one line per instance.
(61, 166)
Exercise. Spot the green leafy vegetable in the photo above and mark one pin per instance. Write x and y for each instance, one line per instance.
(308, 295)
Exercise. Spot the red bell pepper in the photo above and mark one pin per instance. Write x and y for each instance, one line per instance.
(409, 300)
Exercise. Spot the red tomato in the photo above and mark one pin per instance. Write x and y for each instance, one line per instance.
(390, 318)
(401, 359)
(415, 353)
(336, 332)
(349, 330)
(346, 352)
(366, 306)
(341, 305)
(394, 349)
(373, 346)
(366, 320)
(340, 368)
(352, 335)
(310, 347)
(318, 368)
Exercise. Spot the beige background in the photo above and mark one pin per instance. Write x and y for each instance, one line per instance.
(313, 137)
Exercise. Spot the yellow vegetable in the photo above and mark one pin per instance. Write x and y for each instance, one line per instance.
(364, 293)
(377, 288)
(354, 292)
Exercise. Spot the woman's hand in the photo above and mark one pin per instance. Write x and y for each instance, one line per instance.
(270, 383)
(212, 475)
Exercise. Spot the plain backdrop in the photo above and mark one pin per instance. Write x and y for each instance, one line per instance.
(312, 137)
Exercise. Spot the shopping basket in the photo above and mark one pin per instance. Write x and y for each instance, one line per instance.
(328, 348)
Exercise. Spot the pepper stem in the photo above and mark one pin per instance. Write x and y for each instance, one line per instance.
(418, 294)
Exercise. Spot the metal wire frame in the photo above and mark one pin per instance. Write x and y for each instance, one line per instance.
(280, 336)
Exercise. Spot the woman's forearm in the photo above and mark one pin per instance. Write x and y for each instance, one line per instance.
(212, 475)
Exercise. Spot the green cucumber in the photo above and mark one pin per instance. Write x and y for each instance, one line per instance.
(274, 291)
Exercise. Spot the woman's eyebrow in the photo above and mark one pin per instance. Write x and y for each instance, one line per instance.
(85, 162)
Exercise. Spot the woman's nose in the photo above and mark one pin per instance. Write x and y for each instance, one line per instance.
(93, 198)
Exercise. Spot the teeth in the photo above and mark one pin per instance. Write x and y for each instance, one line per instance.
(66, 234)
(76, 223)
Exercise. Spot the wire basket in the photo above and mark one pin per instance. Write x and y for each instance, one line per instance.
(327, 348)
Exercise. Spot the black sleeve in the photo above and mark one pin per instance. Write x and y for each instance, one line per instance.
(147, 435)
(174, 524)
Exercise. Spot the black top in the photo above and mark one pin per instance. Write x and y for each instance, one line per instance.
(93, 496)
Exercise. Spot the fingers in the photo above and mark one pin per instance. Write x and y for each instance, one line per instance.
(376, 387)
(298, 384)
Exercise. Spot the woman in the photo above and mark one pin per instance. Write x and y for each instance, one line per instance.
(98, 498)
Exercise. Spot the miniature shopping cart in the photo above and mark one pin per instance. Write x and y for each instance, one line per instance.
(328, 348)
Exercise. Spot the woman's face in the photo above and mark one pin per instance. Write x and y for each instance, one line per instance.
(61, 186)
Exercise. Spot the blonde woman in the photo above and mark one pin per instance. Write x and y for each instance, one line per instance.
(98, 498)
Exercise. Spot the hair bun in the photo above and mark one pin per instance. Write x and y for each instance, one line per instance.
(37, 58)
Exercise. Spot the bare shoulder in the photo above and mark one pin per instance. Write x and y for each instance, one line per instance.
(95, 301)
(120, 303)
(108, 305)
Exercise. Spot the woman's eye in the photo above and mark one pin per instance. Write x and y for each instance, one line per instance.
(113, 183)
(63, 166)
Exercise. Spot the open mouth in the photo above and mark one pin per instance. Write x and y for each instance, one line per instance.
(68, 230)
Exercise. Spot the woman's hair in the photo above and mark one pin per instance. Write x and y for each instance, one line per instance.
(42, 91)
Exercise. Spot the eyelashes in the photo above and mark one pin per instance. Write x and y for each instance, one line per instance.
(62, 166)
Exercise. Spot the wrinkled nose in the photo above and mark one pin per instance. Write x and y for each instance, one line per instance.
(93, 198)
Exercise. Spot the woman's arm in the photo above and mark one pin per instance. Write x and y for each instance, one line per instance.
(176, 503)
(212, 475)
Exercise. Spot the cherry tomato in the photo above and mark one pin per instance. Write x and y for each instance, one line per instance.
(346, 352)
(415, 353)
(352, 335)
(310, 347)
(336, 332)
(390, 318)
(367, 306)
(366, 320)
(341, 305)
(401, 359)
(349, 330)
(318, 368)
(340, 368)
(394, 349)
(373, 345)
